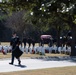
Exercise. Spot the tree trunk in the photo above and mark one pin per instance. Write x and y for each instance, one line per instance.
(73, 49)
(58, 37)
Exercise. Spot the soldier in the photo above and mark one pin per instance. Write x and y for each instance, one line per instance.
(24, 41)
(15, 42)
(33, 42)
(29, 41)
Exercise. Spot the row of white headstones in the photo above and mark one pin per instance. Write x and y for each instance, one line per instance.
(37, 49)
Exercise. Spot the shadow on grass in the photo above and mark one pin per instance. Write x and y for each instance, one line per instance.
(57, 58)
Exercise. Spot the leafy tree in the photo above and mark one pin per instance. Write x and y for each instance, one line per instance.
(44, 9)
(64, 9)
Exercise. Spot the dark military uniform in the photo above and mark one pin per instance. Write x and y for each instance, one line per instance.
(16, 52)
(24, 41)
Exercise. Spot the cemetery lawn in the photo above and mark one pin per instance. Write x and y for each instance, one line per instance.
(49, 71)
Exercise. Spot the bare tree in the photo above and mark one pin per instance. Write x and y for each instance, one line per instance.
(17, 23)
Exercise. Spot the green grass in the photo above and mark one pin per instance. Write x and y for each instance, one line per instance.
(49, 71)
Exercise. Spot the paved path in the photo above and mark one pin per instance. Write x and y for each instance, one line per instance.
(36, 63)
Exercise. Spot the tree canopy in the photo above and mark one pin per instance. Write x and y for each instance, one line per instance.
(45, 10)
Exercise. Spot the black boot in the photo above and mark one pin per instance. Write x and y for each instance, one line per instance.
(19, 62)
(11, 63)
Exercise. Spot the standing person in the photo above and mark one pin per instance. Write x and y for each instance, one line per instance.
(29, 41)
(15, 49)
(42, 42)
(24, 41)
(50, 42)
(33, 42)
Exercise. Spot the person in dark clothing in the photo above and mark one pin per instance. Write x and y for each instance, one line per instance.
(50, 42)
(33, 42)
(29, 41)
(24, 41)
(15, 42)
(64, 41)
(42, 42)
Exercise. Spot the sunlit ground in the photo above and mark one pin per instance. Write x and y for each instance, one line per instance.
(50, 71)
